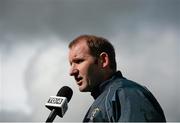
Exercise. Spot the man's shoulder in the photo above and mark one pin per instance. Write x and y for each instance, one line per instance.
(128, 87)
(121, 83)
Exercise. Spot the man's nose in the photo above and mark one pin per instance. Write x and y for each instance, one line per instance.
(73, 71)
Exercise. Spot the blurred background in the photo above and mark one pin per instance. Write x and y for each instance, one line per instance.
(34, 37)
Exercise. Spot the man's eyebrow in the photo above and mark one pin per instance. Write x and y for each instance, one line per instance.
(76, 59)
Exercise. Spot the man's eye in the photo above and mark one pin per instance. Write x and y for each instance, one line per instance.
(79, 61)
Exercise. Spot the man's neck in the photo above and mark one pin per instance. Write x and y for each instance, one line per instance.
(97, 90)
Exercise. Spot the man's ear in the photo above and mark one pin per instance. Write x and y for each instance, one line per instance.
(104, 60)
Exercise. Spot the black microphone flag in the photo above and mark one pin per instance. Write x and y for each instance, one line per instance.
(59, 104)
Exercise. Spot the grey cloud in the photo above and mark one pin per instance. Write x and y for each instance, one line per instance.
(70, 18)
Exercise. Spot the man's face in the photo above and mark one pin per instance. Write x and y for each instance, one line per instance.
(84, 67)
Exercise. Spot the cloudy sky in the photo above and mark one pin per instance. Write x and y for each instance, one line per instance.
(34, 35)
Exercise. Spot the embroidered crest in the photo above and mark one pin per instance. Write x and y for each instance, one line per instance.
(94, 112)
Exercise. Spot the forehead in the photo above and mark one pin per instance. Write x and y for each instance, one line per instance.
(79, 49)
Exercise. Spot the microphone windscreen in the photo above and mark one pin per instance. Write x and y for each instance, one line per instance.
(65, 91)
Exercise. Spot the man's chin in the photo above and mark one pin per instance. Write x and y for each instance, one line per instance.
(83, 89)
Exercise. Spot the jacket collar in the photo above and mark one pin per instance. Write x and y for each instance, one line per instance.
(99, 89)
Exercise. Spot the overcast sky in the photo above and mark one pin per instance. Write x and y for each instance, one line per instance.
(34, 35)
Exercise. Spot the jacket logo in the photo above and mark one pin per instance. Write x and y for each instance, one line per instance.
(94, 112)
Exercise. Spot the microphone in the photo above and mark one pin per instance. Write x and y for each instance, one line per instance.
(58, 104)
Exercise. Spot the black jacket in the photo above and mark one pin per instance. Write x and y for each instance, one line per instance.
(121, 100)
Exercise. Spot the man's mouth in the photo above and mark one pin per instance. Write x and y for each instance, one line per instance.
(78, 80)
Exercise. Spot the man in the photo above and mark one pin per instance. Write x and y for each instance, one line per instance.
(117, 99)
